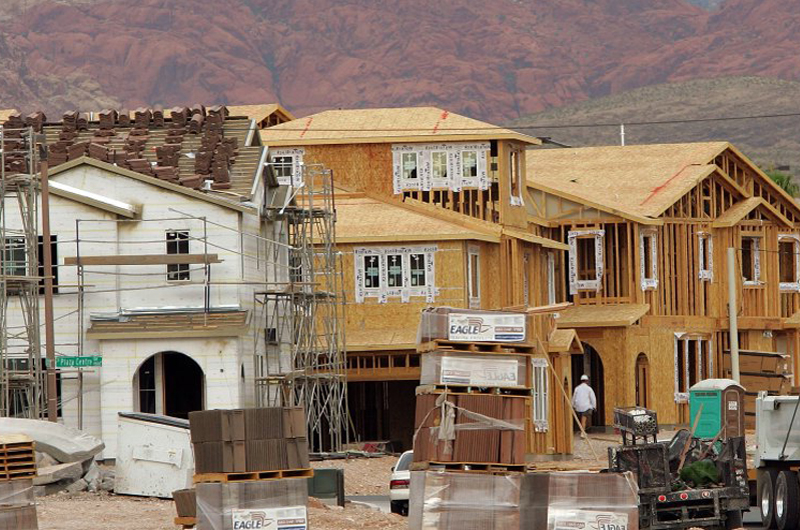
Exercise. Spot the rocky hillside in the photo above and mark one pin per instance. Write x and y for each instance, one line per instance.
(494, 60)
(771, 142)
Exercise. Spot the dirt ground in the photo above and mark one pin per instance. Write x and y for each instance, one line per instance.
(95, 511)
(363, 476)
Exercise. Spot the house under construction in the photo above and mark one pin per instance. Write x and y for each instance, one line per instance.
(185, 265)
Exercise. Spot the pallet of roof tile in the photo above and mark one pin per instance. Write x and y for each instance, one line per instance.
(469, 467)
(108, 118)
(35, 120)
(158, 117)
(253, 476)
(482, 347)
(124, 119)
(179, 116)
(142, 117)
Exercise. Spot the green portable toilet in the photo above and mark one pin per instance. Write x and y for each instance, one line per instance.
(722, 402)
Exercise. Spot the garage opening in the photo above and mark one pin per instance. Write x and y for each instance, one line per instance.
(383, 411)
(169, 383)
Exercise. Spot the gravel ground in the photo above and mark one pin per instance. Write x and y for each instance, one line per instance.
(363, 476)
(94, 511)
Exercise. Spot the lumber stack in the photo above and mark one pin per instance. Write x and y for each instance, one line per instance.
(249, 464)
(17, 469)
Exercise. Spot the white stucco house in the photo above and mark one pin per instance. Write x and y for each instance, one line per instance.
(172, 337)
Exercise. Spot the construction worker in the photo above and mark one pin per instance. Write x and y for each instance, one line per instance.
(584, 402)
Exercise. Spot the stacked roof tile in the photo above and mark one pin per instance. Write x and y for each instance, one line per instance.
(182, 145)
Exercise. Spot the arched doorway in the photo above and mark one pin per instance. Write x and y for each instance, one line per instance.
(642, 381)
(591, 364)
(169, 383)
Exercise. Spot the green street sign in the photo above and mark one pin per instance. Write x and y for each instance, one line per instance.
(78, 362)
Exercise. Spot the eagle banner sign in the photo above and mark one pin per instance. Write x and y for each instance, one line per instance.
(566, 519)
(289, 518)
(486, 327)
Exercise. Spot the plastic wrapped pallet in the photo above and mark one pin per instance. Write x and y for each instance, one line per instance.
(473, 325)
(472, 369)
(17, 505)
(243, 504)
(556, 501)
(443, 500)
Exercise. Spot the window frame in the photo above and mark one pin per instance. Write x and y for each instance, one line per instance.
(365, 259)
(469, 178)
(795, 242)
(515, 176)
(9, 250)
(576, 285)
(178, 272)
(474, 277)
(403, 175)
(705, 256)
(551, 278)
(411, 270)
(439, 155)
(366, 268)
(394, 276)
(541, 390)
(704, 362)
(648, 245)
(755, 263)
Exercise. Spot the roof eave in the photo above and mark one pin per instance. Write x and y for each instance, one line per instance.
(299, 142)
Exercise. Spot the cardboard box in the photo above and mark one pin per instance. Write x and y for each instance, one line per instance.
(294, 422)
(185, 502)
(263, 423)
(267, 455)
(217, 502)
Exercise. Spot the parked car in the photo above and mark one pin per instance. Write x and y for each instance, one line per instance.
(399, 483)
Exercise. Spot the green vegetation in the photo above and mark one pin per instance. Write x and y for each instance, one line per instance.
(785, 181)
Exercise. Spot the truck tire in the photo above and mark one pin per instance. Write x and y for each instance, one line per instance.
(787, 500)
(765, 486)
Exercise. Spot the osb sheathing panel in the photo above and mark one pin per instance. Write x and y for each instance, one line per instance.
(511, 215)
(366, 167)
(385, 320)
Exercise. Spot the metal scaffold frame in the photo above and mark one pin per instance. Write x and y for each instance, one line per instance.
(303, 360)
(22, 381)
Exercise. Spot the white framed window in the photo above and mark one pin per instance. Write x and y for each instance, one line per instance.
(417, 270)
(515, 176)
(469, 166)
(394, 272)
(648, 259)
(694, 361)
(551, 278)
(439, 165)
(178, 243)
(585, 260)
(705, 255)
(287, 166)
(410, 164)
(474, 276)
(541, 390)
(453, 166)
(789, 262)
(751, 260)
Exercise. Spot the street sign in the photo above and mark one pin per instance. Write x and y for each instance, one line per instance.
(66, 361)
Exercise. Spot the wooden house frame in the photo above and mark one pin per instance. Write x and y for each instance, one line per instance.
(648, 228)
(447, 191)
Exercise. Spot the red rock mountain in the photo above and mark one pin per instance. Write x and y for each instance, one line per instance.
(494, 60)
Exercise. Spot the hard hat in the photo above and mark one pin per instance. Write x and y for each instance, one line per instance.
(584, 377)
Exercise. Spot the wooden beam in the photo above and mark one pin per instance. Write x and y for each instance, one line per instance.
(143, 259)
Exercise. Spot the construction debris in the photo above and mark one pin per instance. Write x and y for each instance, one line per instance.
(63, 443)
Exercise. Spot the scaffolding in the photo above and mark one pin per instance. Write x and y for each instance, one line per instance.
(302, 360)
(22, 381)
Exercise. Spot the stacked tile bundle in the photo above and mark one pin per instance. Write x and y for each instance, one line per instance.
(250, 465)
(17, 469)
(249, 440)
(15, 157)
(474, 399)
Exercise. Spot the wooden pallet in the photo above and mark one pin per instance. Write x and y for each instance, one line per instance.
(477, 347)
(17, 457)
(466, 389)
(253, 475)
(469, 467)
(186, 522)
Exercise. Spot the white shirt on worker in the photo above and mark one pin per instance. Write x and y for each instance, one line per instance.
(584, 399)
